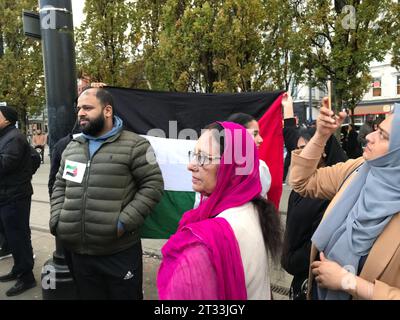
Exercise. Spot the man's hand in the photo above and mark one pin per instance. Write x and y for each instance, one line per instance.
(120, 229)
(98, 84)
(327, 121)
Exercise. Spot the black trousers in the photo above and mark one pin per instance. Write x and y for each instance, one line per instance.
(298, 287)
(41, 152)
(112, 277)
(15, 222)
(3, 240)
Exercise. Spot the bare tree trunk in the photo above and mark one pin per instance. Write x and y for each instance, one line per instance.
(337, 102)
(22, 120)
(1, 44)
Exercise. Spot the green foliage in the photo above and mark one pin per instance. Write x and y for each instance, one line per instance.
(395, 31)
(206, 46)
(279, 62)
(103, 44)
(21, 66)
(238, 45)
(342, 48)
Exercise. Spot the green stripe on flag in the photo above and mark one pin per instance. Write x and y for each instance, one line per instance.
(163, 221)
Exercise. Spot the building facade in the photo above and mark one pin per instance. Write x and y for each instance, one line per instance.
(306, 109)
(384, 91)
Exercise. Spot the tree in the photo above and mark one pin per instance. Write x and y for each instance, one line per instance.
(145, 17)
(206, 46)
(279, 64)
(237, 45)
(146, 21)
(21, 65)
(343, 41)
(395, 31)
(103, 41)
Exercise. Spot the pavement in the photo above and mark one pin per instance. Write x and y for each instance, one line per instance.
(44, 245)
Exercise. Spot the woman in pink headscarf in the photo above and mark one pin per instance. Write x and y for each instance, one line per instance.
(221, 248)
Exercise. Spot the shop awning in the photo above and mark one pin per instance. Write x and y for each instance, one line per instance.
(373, 109)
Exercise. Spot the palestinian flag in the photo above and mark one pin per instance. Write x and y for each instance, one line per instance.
(172, 122)
(71, 170)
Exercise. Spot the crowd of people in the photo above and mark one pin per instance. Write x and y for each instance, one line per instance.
(341, 238)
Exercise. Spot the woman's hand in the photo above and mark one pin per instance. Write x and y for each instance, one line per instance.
(331, 275)
(287, 104)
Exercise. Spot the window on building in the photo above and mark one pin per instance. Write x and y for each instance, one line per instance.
(376, 87)
(398, 84)
(313, 92)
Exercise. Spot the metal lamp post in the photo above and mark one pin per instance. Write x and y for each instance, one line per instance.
(54, 26)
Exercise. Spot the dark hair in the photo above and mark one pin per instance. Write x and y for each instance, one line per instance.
(102, 95)
(333, 151)
(105, 97)
(369, 120)
(378, 121)
(306, 133)
(268, 216)
(241, 118)
(271, 227)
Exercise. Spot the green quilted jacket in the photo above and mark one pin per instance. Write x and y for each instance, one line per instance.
(119, 184)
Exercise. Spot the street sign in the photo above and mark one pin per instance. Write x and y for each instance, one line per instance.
(31, 22)
(3, 104)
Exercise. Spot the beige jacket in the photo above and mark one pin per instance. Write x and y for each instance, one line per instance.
(382, 266)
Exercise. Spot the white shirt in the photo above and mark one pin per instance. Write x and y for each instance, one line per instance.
(246, 226)
(265, 177)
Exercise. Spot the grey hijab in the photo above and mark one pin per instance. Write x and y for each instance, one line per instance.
(362, 212)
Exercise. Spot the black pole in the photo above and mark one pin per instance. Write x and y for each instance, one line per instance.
(59, 65)
(57, 33)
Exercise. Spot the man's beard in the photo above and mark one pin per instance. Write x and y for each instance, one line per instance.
(93, 127)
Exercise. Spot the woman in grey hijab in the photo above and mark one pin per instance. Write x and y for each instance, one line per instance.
(356, 248)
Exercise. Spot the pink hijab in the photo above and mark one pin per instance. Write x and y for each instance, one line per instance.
(202, 260)
(233, 189)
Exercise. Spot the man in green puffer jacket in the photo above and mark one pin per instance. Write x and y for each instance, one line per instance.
(107, 184)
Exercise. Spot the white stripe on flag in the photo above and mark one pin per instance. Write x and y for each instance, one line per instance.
(172, 157)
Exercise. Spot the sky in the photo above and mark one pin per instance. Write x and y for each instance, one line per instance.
(77, 11)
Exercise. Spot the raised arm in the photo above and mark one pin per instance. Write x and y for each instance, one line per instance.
(287, 105)
(290, 131)
(305, 178)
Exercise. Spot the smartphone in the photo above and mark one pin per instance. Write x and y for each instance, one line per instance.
(330, 94)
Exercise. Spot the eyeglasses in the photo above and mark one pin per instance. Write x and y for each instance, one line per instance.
(201, 159)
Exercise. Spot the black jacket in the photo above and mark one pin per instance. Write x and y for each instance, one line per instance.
(290, 136)
(303, 218)
(56, 155)
(15, 165)
(304, 215)
(354, 149)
